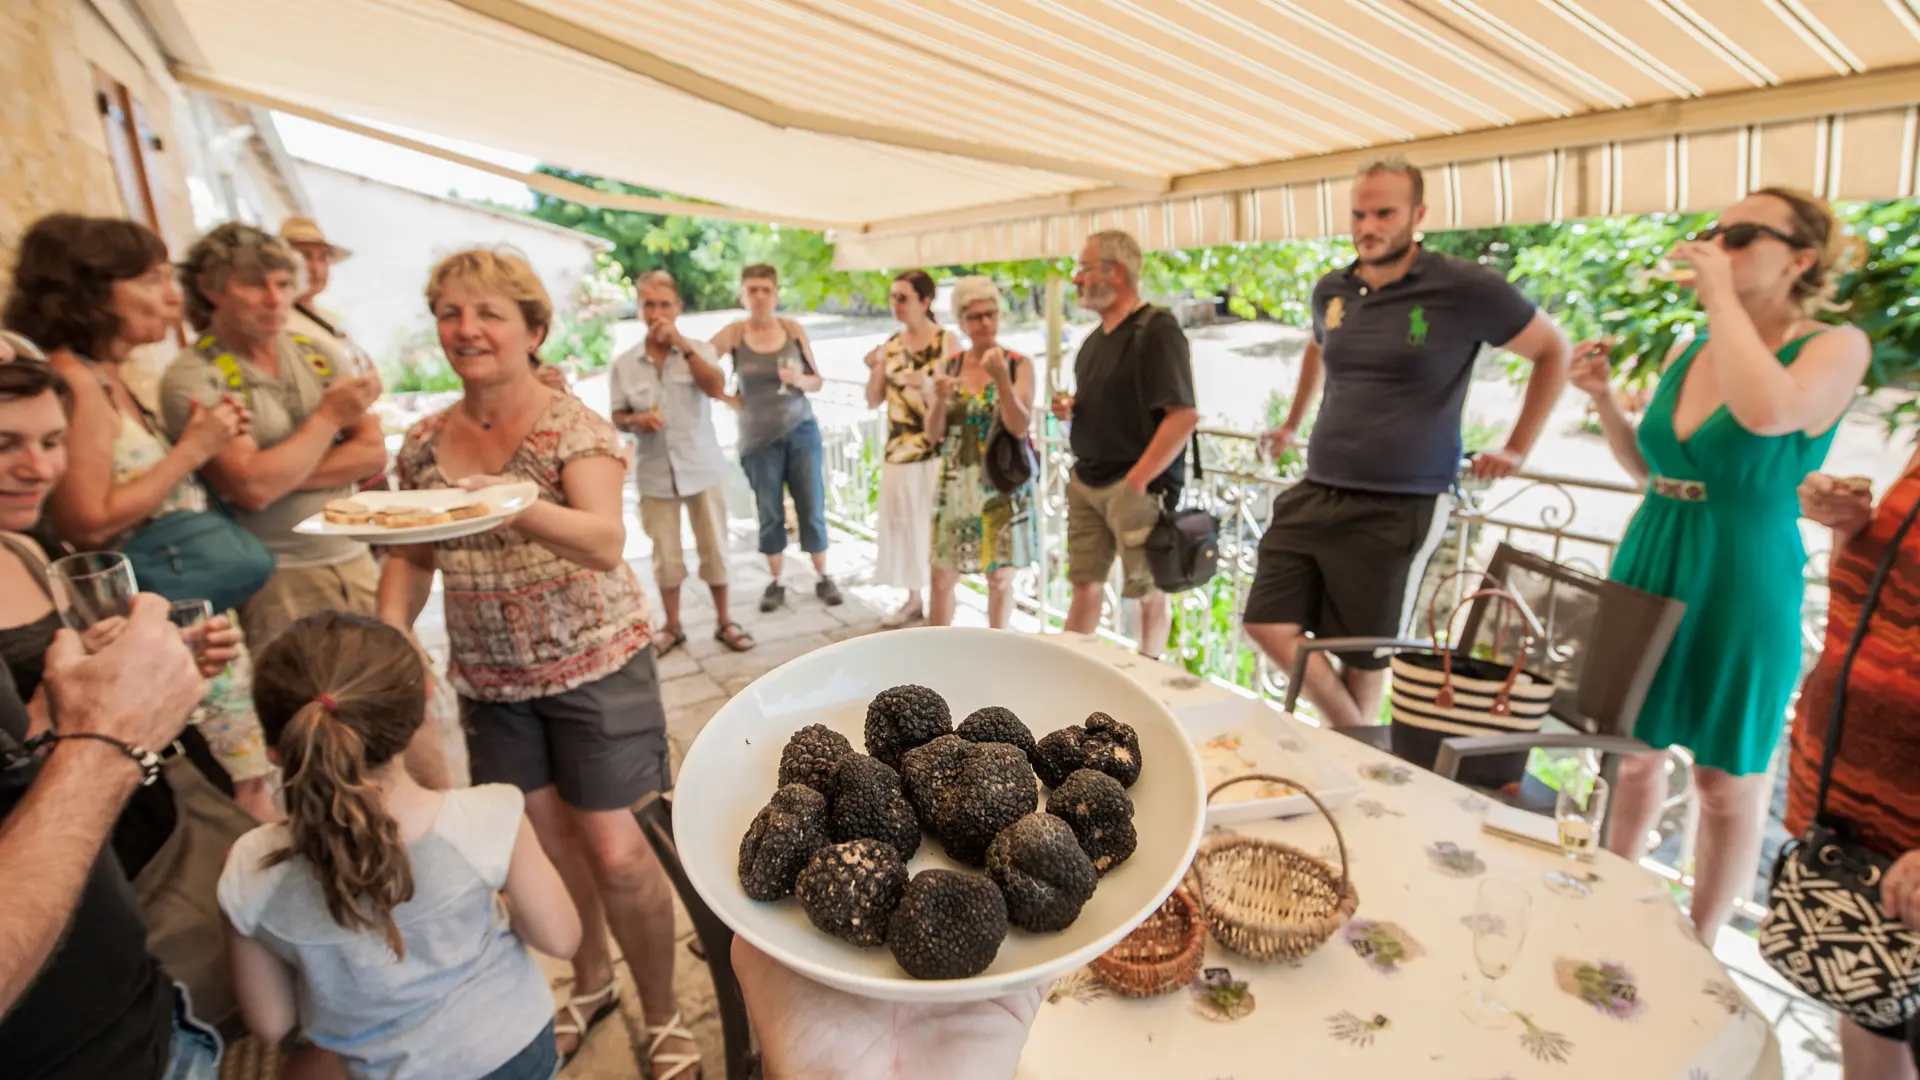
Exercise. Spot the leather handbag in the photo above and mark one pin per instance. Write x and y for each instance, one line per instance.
(1452, 692)
(1183, 550)
(1008, 460)
(198, 554)
(1825, 930)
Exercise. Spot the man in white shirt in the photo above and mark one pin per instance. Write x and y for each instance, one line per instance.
(662, 391)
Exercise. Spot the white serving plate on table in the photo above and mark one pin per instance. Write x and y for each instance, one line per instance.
(732, 769)
(1296, 758)
(506, 500)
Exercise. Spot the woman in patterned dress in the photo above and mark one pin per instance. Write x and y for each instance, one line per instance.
(1875, 768)
(976, 528)
(90, 291)
(547, 633)
(900, 376)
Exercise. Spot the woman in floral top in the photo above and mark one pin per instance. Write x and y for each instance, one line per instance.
(548, 632)
(900, 376)
(976, 528)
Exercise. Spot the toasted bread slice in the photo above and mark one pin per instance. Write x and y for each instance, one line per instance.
(471, 510)
(413, 519)
(1857, 484)
(347, 512)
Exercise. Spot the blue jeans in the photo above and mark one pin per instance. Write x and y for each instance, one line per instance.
(796, 461)
(196, 1047)
(539, 1061)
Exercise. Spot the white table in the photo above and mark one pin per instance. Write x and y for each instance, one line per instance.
(1321, 1017)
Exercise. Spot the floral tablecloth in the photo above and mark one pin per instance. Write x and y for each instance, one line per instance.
(1613, 985)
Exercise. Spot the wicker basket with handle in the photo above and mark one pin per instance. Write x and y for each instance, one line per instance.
(1271, 901)
(1162, 954)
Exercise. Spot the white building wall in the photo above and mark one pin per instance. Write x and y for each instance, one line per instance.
(396, 235)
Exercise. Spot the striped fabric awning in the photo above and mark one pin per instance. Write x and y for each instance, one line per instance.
(936, 131)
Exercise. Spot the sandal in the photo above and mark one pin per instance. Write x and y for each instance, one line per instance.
(739, 640)
(582, 1026)
(667, 640)
(668, 1066)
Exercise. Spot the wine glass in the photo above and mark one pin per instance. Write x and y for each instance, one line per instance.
(92, 587)
(1500, 915)
(1580, 819)
(191, 617)
(787, 362)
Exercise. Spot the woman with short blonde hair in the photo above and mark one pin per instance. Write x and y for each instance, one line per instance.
(547, 628)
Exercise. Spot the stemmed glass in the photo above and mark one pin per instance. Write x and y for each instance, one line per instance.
(92, 587)
(1579, 820)
(1500, 914)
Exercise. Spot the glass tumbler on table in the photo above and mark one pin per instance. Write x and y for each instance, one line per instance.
(1579, 821)
(1500, 915)
(92, 587)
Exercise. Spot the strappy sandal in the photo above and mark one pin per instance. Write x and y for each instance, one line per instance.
(667, 640)
(582, 1026)
(669, 1066)
(738, 641)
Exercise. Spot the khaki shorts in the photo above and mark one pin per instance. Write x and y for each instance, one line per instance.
(707, 510)
(1103, 522)
(296, 592)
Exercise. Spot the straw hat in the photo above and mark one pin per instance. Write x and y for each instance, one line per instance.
(305, 230)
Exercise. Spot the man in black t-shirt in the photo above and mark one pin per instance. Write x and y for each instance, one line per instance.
(1131, 414)
(1395, 337)
(80, 997)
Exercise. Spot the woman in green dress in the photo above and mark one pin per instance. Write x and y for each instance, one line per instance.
(1741, 415)
(976, 528)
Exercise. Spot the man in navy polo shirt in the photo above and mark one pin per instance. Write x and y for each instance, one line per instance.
(1395, 337)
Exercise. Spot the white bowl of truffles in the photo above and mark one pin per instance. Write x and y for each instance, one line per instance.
(938, 814)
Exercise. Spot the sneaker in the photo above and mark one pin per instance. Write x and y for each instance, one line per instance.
(775, 595)
(829, 592)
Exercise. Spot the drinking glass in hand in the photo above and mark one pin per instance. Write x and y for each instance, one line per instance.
(1500, 915)
(1580, 821)
(92, 587)
(191, 617)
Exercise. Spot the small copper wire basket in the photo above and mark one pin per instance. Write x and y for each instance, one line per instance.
(1271, 901)
(1162, 954)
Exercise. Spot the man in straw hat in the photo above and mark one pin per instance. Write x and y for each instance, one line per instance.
(303, 235)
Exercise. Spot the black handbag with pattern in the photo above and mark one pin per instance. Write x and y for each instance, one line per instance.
(1825, 929)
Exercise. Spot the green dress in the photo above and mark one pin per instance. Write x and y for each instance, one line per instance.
(976, 529)
(1719, 529)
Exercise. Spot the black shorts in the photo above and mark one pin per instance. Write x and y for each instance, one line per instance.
(602, 746)
(1337, 563)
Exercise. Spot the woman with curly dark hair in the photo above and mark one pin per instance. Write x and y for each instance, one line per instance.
(90, 291)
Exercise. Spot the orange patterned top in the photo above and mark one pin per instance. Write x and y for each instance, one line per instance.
(522, 622)
(1873, 774)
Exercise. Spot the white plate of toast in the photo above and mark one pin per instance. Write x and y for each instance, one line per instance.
(420, 517)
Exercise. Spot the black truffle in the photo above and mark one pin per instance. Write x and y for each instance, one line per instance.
(1057, 755)
(925, 769)
(851, 889)
(784, 835)
(949, 925)
(1104, 744)
(992, 789)
(905, 717)
(1041, 870)
(811, 756)
(1097, 809)
(1111, 747)
(997, 724)
(867, 803)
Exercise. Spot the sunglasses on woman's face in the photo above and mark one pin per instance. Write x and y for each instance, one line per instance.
(899, 298)
(1742, 234)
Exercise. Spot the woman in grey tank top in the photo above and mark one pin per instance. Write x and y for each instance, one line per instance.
(780, 448)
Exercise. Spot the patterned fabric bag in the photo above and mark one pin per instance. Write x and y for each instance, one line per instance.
(1825, 929)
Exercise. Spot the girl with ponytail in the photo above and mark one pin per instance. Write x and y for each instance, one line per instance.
(368, 919)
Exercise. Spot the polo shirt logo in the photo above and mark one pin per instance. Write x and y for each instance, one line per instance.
(1417, 325)
(1336, 312)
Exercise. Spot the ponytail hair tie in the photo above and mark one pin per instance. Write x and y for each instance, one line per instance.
(326, 702)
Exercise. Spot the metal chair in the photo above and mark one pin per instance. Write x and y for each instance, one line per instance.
(655, 814)
(1599, 641)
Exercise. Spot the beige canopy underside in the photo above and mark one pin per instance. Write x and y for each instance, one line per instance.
(952, 131)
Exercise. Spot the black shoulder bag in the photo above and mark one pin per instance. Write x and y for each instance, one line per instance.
(1007, 459)
(1825, 929)
(1183, 550)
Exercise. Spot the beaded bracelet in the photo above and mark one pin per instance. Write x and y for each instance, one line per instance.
(148, 761)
